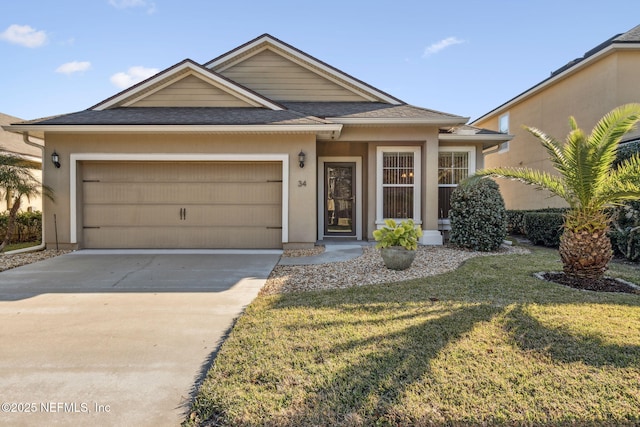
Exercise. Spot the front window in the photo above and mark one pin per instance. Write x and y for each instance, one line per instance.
(503, 127)
(454, 165)
(398, 182)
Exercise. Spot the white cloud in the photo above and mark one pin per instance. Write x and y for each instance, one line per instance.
(24, 35)
(73, 67)
(442, 44)
(132, 76)
(126, 4)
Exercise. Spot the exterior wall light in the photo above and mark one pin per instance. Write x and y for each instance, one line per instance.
(55, 159)
(301, 157)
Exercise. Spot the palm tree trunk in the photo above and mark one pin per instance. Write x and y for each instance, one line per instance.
(11, 223)
(584, 254)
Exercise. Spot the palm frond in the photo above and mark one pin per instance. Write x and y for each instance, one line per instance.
(553, 147)
(605, 139)
(579, 175)
(541, 180)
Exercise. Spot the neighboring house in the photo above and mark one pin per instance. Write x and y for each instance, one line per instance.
(264, 146)
(587, 88)
(13, 144)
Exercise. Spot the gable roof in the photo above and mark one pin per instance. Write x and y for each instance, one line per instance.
(177, 72)
(314, 65)
(172, 101)
(628, 40)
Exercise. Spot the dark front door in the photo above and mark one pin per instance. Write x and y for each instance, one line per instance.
(339, 200)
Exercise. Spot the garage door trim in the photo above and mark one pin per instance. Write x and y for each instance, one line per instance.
(78, 157)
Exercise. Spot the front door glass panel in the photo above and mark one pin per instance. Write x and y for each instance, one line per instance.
(339, 199)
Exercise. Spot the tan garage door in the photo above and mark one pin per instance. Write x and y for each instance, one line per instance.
(181, 204)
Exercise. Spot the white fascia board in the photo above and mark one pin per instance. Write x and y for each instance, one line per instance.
(409, 121)
(471, 138)
(179, 70)
(319, 128)
(550, 81)
(334, 76)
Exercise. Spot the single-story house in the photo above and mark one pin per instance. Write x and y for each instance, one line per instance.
(264, 146)
(12, 144)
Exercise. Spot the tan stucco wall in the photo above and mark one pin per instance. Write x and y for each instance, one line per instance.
(426, 137)
(302, 201)
(588, 94)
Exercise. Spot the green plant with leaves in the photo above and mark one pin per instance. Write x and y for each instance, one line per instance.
(17, 181)
(477, 215)
(404, 234)
(587, 180)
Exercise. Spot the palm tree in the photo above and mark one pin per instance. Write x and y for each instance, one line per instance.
(16, 182)
(589, 183)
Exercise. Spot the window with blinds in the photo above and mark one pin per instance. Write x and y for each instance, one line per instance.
(398, 185)
(453, 167)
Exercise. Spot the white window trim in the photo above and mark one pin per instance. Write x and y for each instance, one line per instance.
(417, 181)
(74, 158)
(444, 222)
(504, 147)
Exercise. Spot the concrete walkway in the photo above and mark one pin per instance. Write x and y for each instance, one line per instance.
(117, 338)
(332, 253)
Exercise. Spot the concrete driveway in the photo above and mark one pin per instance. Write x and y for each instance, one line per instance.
(117, 338)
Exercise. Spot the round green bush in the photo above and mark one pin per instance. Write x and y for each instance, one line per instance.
(478, 217)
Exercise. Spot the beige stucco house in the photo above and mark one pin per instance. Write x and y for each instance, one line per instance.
(264, 146)
(587, 88)
(12, 144)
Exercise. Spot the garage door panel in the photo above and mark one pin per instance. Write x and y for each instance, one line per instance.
(186, 237)
(183, 171)
(181, 215)
(158, 193)
(182, 204)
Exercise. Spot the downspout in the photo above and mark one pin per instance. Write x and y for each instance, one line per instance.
(41, 246)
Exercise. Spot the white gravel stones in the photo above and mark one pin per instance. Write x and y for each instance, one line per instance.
(17, 260)
(369, 269)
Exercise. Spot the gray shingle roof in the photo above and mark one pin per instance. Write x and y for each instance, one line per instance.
(298, 113)
(633, 35)
(181, 116)
(367, 110)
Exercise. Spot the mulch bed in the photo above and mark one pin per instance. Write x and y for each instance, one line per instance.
(606, 284)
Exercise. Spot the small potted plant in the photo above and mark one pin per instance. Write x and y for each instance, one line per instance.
(398, 243)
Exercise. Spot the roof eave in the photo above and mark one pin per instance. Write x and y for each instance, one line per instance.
(392, 121)
(331, 129)
(487, 141)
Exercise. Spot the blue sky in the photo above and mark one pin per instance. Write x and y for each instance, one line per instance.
(464, 57)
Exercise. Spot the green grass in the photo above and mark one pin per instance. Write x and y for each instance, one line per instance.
(487, 344)
(16, 246)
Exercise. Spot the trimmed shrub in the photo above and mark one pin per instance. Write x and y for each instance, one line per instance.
(515, 221)
(544, 228)
(28, 226)
(625, 224)
(625, 231)
(477, 214)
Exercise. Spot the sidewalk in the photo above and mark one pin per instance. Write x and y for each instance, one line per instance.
(333, 252)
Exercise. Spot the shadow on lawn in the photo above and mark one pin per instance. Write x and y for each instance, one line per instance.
(369, 390)
(385, 338)
(530, 334)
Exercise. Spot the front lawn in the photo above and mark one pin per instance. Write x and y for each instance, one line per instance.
(486, 344)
